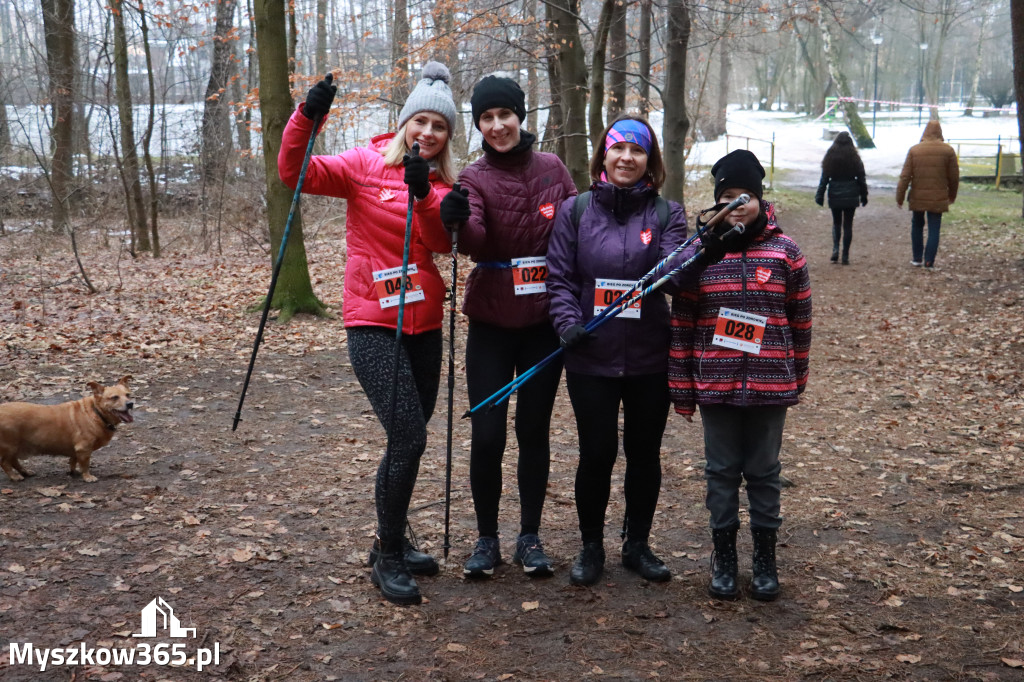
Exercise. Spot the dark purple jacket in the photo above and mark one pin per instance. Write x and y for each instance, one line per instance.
(513, 198)
(613, 243)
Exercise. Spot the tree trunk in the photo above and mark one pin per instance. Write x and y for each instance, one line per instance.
(5, 133)
(716, 125)
(321, 37)
(532, 84)
(446, 51)
(857, 128)
(597, 63)
(562, 16)
(1017, 29)
(677, 122)
(617, 62)
(294, 292)
(216, 130)
(59, 30)
(125, 114)
(400, 56)
(554, 141)
(978, 54)
(147, 136)
(644, 47)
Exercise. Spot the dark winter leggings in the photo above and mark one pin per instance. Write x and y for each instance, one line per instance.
(645, 403)
(494, 356)
(372, 351)
(842, 222)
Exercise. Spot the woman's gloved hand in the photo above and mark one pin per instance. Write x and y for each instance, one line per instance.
(319, 98)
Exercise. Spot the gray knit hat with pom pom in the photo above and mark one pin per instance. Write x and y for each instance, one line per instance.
(431, 94)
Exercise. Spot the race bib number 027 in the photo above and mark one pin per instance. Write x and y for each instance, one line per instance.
(388, 284)
(529, 275)
(607, 290)
(739, 330)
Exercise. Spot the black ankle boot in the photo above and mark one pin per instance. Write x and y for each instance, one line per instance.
(835, 244)
(392, 576)
(589, 565)
(638, 557)
(724, 563)
(418, 563)
(764, 586)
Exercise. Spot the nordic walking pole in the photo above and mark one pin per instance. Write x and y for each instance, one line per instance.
(616, 306)
(277, 265)
(386, 464)
(451, 381)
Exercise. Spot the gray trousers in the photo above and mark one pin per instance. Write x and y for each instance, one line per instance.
(743, 443)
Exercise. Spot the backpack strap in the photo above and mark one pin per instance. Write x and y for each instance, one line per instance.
(583, 200)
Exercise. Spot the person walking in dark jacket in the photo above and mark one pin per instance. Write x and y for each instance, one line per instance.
(842, 172)
(506, 214)
(616, 239)
(741, 338)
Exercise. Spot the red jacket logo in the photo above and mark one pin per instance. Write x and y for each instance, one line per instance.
(386, 194)
(548, 210)
(645, 237)
(763, 275)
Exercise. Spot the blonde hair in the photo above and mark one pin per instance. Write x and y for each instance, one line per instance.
(444, 164)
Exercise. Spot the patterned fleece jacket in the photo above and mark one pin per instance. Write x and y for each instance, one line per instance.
(768, 278)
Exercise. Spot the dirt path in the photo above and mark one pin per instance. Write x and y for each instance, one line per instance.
(903, 545)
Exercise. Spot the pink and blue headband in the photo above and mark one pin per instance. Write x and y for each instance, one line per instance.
(629, 130)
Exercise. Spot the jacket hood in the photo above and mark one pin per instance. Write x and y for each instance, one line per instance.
(932, 131)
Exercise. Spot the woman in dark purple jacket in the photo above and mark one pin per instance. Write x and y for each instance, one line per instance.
(510, 196)
(616, 240)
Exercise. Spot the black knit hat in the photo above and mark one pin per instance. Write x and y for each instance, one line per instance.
(496, 91)
(739, 169)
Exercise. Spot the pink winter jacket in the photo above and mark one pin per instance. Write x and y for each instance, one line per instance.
(378, 201)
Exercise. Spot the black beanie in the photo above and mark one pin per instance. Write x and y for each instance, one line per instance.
(739, 169)
(496, 91)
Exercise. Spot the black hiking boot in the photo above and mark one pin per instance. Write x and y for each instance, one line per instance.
(589, 565)
(724, 564)
(392, 576)
(764, 586)
(418, 563)
(638, 557)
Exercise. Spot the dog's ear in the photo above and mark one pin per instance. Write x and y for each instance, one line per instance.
(97, 390)
(124, 380)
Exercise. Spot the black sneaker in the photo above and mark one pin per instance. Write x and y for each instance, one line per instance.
(589, 565)
(486, 556)
(418, 563)
(530, 555)
(638, 557)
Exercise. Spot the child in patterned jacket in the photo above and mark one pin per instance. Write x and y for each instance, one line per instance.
(740, 341)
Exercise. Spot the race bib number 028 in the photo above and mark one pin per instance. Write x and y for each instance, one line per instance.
(529, 275)
(739, 330)
(607, 290)
(388, 284)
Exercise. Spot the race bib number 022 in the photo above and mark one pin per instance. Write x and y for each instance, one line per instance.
(739, 330)
(388, 284)
(529, 275)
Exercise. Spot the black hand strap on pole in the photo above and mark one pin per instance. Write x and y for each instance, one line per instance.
(277, 266)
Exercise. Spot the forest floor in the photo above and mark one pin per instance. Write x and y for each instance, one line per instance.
(902, 550)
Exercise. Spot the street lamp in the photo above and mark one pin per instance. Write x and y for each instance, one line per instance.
(920, 83)
(877, 40)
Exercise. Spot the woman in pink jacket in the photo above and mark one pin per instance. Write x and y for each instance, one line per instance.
(376, 181)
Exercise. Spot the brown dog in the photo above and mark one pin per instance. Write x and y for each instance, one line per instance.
(73, 429)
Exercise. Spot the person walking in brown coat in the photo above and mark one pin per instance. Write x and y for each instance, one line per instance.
(933, 176)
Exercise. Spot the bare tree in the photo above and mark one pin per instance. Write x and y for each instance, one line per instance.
(216, 139)
(294, 292)
(571, 91)
(644, 47)
(597, 68)
(617, 61)
(1017, 25)
(677, 122)
(853, 121)
(59, 30)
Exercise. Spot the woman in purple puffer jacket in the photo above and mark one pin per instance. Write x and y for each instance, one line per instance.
(617, 239)
(506, 211)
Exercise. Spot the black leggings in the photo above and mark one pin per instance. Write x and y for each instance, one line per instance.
(645, 403)
(494, 356)
(371, 351)
(842, 223)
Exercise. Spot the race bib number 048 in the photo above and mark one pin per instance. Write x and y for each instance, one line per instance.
(388, 284)
(529, 275)
(607, 290)
(739, 330)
